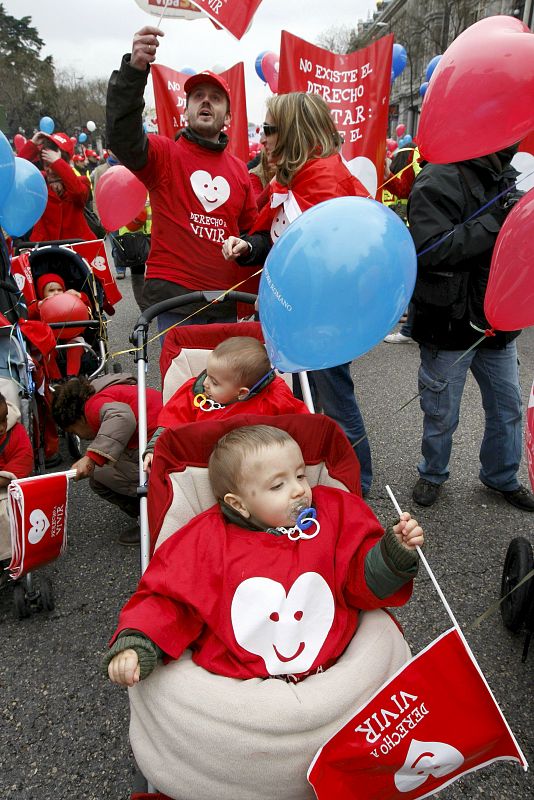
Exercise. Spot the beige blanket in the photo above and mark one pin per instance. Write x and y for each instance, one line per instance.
(198, 736)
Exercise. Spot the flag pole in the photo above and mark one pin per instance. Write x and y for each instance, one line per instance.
(459, 630)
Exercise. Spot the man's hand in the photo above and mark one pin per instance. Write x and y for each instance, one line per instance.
(145, 44)
(84, 468)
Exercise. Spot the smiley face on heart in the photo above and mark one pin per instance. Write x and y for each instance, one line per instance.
(425, 759)
(39, 525)
(279, 224)
(287, 631)
(212, 192)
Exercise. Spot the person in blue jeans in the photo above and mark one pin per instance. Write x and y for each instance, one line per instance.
(454, 230)
(333, 391)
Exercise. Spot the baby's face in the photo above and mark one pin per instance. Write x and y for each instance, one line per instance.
(52, 289)
(275, 488)
(220, 384)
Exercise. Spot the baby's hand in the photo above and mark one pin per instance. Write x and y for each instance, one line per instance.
(124, 668)
(408, 532)
(147, 463)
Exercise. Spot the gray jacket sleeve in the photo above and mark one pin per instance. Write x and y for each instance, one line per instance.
(124, 115)
(117, 426)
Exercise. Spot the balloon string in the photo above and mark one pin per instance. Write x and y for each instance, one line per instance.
(218, 299)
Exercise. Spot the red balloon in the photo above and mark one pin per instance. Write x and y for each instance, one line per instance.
(19, 141)
(270, 65)
(119, 196)
(400, 130)
(480, 97)
(391, 144)
(509, 299)
(64, 307)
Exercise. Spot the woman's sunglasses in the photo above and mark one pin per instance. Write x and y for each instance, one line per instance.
(269, 130)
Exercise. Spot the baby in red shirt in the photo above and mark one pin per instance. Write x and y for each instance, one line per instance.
(270, 582)
(239, 379)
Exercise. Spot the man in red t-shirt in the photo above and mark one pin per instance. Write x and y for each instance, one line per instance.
(199, 193)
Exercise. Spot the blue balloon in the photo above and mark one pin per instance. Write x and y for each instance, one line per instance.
(423, 88)
(7, 168)
(46, 125)
(82, 137)
(399, 59)
(406, 139)
(257, 66)
(335, 283)
(188, 71)
(26, 201)
(431, 66)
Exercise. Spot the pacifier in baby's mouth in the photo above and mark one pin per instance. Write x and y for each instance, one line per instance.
(205, 403)
(306, 519)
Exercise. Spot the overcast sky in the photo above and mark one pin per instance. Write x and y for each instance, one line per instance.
(91, 37)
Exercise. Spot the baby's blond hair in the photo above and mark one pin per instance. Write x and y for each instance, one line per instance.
(246, 357)
(225, 466)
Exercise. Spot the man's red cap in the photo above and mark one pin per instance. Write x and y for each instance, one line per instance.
(207, 77)
(63, 141)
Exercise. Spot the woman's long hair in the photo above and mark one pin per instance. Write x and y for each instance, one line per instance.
(305, 130)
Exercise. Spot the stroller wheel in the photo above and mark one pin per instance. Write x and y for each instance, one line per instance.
(117, 367)
(22, 608)
(73, 444)
(46, 592)
(518, 563)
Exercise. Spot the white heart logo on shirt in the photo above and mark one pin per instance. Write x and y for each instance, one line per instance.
(212, 192)
(39, 526)
(287, 631)
(425, 759)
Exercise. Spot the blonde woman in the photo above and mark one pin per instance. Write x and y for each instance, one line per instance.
(303, 145)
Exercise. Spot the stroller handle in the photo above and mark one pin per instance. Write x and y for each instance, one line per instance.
(142, 324)
(83, 323)
(32, 245)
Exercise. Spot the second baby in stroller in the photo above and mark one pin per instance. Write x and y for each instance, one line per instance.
(238, 379)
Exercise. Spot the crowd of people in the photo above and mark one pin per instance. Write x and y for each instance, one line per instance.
(257, 474)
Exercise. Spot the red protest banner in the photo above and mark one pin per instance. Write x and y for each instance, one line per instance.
(529, 437)
(233, 15)
(169, 95)
(434, 721)
(38, 520)
(356, 87)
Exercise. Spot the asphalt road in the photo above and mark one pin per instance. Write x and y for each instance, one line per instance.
(64, 727)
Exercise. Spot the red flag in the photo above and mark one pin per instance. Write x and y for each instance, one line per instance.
(233, 15)
(170, 104)
(356, 87)
(434, 721)
(38, 519)
(95, 252)
(529, 437)
(22, 273)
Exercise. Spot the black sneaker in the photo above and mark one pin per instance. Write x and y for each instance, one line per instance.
(520, 498)
(53, 461)
(425, 493)
(130, 537)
